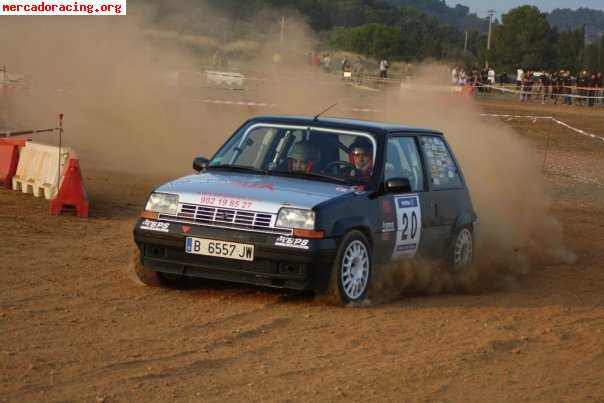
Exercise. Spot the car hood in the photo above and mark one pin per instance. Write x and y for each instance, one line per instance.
(253, 192)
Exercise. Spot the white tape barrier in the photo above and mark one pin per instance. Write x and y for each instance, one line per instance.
(520, 92)
(581, 132)
(535, 118)
(236, 103)
(512, 117)
(431, 88)
(38, 169)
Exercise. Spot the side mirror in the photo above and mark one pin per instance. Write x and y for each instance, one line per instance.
(200, 163)
(398, 185)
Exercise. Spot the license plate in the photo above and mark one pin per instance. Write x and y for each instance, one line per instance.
(229, 250)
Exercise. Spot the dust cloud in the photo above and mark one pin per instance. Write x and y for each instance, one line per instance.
(119, 82)
(515, 232)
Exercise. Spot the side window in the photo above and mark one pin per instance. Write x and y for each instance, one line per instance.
(402, 161)
(441, 167)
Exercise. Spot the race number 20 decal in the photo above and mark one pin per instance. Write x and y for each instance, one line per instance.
(409, 226)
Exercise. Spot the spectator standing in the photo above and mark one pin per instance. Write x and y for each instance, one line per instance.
(539, 88)
(581, 84)
(454, 76)
(558, 89)
(463, 78)
(593, 92)
(546, 81)
(525, 87)
(567, 85)
(491, 76)
(519, 78)
(384, 68)
(599, 85)
(483, 78)
(346, 70)
(529, 84)
(327, 63)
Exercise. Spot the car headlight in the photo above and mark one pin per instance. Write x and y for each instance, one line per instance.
(296, 218)
(162, 203)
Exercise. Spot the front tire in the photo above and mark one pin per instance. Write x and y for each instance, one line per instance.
(144, 277)
(352, 269)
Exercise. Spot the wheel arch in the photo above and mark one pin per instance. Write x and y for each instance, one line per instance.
(344, 225)
(464, 219)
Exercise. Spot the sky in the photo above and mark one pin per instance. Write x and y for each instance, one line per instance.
(481, 7)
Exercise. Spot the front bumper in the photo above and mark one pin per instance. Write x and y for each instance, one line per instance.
(162, 246)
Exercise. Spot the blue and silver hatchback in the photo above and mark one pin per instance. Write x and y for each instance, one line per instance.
(309, 203)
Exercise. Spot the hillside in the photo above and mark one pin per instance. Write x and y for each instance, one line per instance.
(458, 16)
(566, 19)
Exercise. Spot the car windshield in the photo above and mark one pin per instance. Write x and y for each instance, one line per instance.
(307, 152)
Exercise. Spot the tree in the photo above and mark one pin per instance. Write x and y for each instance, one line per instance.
(522, 40)
(601, 54)
(373, 40)
(568, 49)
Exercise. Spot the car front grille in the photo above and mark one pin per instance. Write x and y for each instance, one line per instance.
(226, 218)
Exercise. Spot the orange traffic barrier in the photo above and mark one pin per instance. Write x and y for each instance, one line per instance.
(71, 191)
(9, 160)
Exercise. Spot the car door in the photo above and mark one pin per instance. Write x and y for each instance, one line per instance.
(445, 192)
(403, 219)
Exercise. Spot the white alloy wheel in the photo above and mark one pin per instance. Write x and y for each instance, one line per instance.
(355, 270)
(463, 249)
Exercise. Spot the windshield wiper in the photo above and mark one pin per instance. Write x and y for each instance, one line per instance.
(310, 175)
(239, 168)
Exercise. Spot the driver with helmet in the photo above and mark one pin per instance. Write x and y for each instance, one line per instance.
(361, 156)
(303, 157)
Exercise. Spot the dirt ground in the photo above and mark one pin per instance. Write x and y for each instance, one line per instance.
(75, 328)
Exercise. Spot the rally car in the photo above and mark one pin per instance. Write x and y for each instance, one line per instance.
(309, 203)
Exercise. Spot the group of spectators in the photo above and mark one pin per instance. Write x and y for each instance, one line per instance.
(474, 77)
(352, 69)
(585, 88)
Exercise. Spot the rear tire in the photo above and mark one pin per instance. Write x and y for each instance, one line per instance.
(460, 260)
(352, 270)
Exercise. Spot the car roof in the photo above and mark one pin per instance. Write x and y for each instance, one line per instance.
(342, 123)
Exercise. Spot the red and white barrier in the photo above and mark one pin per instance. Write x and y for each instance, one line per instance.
(37, 172)
(224, 78)
(38, 169)
(43, 170)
